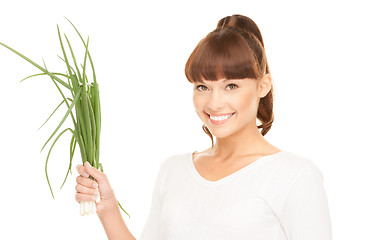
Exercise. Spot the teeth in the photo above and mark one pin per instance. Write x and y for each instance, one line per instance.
(220, 118)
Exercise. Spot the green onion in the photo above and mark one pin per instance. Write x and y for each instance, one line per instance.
(86, 102)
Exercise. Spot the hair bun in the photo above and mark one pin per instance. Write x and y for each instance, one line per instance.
(242, 24)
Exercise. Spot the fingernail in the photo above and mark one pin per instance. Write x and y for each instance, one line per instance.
(85, 174)
(87, 163)
(95, 185)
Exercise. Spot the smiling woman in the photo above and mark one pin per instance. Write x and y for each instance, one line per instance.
(242, 187)
(234, 50)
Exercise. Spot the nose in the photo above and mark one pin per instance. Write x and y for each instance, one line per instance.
(215, 102)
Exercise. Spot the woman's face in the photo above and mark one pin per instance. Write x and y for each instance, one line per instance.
(232, 104)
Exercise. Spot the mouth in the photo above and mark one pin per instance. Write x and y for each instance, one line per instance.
(219, 119)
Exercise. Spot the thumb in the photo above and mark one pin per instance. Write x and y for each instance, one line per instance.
(95, 173)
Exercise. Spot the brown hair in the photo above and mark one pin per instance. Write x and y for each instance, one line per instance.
(234, 50)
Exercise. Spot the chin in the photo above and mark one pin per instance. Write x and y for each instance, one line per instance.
(218, 133)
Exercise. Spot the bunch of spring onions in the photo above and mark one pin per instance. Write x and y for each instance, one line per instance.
(87, 119)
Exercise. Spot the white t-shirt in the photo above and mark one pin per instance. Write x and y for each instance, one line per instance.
(277, 197)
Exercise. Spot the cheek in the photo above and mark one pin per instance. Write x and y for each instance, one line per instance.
(197, 102)
(247, 102)
(199, 105)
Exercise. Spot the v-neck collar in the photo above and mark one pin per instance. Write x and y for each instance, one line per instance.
(201, 180)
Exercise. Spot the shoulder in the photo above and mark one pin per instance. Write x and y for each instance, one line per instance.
(286, 168)
(293, 160)
(293, 165)
(285, 172)
(175, 161)
(170, 167)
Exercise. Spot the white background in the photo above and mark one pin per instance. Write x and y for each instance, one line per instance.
(315, 52)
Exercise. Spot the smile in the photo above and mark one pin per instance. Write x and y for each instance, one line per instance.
(217, 120)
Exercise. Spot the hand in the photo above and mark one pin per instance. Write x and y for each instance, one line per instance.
(90, 190)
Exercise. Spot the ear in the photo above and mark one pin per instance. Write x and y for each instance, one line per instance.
(264, 85)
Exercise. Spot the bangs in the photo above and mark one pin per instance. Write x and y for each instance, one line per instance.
(223, 53)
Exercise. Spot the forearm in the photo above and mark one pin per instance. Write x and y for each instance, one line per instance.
(114, 225)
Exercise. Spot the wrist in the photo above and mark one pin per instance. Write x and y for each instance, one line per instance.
(110, 207)
(114, 224)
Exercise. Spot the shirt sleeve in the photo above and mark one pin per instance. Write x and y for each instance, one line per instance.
(305, 213)
(151, 230)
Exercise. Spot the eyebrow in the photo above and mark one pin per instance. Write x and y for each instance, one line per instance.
(225, 80)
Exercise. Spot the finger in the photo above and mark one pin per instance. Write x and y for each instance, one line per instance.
(87, 182)
(85, 190)
(81, 170)
(80, 197)
(95, 173)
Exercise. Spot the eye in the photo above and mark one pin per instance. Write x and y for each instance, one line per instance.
(198, 87)
(234, 85)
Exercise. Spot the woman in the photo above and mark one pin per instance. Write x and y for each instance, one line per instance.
(242, 187)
